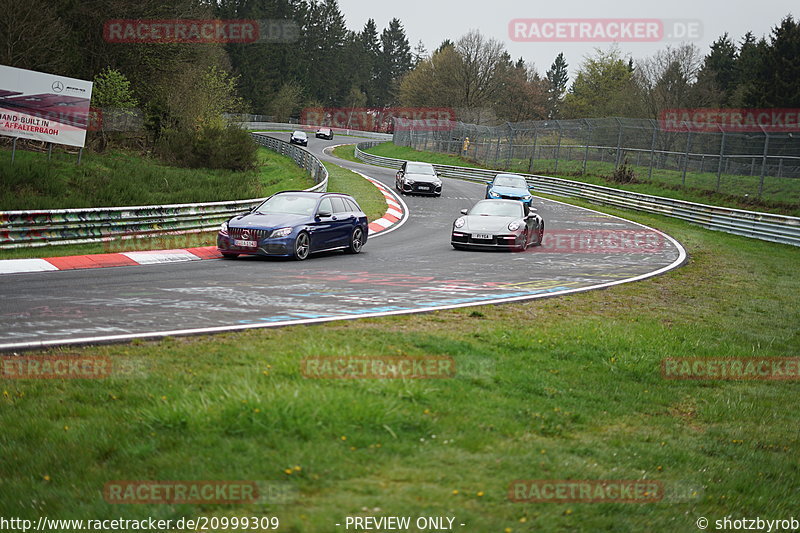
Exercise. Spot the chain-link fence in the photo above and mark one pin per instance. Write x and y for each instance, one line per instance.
(760, 164)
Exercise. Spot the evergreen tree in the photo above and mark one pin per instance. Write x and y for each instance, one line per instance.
(717, 77)
(557, 77)
(394, 61)
(778, 84)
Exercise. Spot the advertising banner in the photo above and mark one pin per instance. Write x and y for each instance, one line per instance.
(44, 107)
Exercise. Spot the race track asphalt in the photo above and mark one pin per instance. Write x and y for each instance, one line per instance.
(411, 269)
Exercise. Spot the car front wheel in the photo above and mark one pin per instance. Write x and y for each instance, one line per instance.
(302, 246)
(524, 246)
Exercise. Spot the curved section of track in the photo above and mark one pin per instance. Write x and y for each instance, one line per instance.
(413, 269)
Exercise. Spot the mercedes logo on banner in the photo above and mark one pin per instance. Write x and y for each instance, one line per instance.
(58, 86)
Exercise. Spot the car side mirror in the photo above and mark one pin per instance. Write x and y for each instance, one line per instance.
(488, 183)
(324, 214)
(463, 211)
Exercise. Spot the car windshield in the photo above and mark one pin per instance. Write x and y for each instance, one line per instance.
(420, 168)
(500, 209)
(511, 181)
(288, 204)
(300, 134)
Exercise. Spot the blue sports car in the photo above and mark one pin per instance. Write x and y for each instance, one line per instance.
(509, 187)
(296, 224)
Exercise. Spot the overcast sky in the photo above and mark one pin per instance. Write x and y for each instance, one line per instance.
(432, 21)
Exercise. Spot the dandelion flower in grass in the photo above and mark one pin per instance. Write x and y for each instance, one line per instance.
(480, 493)
(568, 512)
(343, 437)
(523, 520)
(508, 529)
(455, 492)
(66, 428)
(163, 397)
(256, 410)
(288, 471)
(46, 477)
(297, 468)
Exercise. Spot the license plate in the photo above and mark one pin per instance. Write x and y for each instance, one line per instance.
(483, 236)
(245, 244)
(423, 188)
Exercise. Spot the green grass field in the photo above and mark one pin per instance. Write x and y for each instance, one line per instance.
(780, 195)
(276, 173)
(562, 388)
(123, 178)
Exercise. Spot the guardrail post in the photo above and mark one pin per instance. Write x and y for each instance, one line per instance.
(619, 142)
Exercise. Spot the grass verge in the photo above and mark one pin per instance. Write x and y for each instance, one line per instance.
(368, 196)
(780, 195)
(341, 180)
(123, 178)
(563, 388)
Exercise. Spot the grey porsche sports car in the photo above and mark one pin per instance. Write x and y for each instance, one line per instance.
(506, 224)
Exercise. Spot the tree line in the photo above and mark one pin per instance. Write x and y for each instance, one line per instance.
(182, 85)
(327, 65)
(477, 76)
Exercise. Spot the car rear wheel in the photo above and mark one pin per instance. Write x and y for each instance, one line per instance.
(302, 246)
(356, 241)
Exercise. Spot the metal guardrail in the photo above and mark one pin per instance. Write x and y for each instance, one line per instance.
(34, 228)
(310, 128)
(765, 226)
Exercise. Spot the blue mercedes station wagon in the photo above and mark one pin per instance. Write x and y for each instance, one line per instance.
(296, 224)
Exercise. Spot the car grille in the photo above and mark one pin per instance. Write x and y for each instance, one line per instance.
(430, 187)
(506, 197)
(255, 234)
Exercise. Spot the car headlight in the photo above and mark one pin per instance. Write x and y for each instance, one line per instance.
(459, 222)
(409, 181)
(223, 227)
(514, 226)
(494, 194)
(527, 197)
(281, 232)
